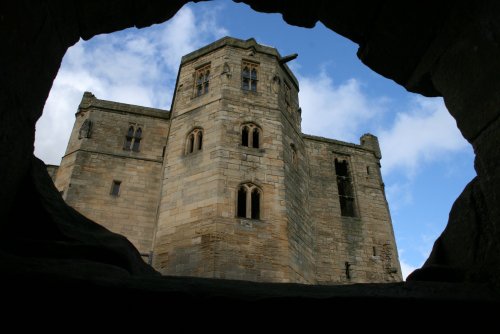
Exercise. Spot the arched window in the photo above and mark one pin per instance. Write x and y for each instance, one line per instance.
(200, 140)
(255, 138)
(194, 141)
(191, 143)
(244, 136)
(137, 140)
(250, 135)
(133, 139)
(202, 80)
(242, 202)
(249, 199)
(249, 76)
(255, 203)
(129, 138)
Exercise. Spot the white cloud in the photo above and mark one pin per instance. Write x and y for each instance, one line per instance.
(399, 195)
(336, 111)
(186, 33)
(425, 133)
(132, 66)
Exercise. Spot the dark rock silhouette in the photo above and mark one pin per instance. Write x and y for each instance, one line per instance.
(447, 48)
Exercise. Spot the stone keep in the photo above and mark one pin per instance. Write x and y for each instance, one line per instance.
(225, 184)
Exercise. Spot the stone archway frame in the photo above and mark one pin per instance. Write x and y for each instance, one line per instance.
(450, 48)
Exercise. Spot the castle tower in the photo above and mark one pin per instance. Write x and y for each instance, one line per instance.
(226, 185)
(112, 166)
(223, 210)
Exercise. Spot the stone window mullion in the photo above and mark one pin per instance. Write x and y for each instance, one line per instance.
(249, 203)
(195, 141)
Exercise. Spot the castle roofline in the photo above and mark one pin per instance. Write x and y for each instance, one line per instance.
(243, 44)
(90, 101)
(335, 141)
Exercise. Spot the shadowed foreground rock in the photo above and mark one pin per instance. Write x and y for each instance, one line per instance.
(60, 240)
(447, 48)
(70, 287)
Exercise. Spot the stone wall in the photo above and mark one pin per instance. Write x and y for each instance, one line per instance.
(364, 245)
(300, 226)
(299, 234)
(202, 187)
(52, 170)
(95, 158)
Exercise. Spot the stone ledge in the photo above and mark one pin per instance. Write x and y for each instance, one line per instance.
(89, 101)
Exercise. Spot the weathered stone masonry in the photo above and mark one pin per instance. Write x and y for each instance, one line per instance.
(232, 141)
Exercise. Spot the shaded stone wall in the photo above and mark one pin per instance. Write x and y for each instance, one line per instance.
(300, 226)
(365, 242)
(52, 170)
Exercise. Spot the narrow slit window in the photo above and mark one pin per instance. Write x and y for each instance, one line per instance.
(200, 140)
(255, 138)
(253, 80)
(345, 189)
(347, 270)
(246, 79)
(137, 140)
(244, 136)
(255, 204)
(115, 188)
(249, 76)
(242, 202)
(202, 80)
(294, 154)
(191, 143)
(128, 138)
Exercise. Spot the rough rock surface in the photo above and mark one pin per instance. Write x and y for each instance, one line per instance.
(450, 48)
(50, 231)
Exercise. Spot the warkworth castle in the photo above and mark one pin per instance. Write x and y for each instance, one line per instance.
(225, 184)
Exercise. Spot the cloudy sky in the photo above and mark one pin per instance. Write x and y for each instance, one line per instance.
(426, 162)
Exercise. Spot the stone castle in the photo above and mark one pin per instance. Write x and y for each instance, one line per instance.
(225, 184)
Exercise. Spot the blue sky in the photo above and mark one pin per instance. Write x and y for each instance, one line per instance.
(426, 163)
